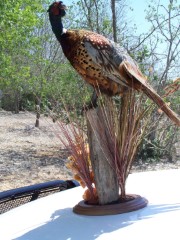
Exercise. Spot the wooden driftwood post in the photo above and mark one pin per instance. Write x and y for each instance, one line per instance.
(105, 176)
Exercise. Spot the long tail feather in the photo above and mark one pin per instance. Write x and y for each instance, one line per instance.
(140, 83)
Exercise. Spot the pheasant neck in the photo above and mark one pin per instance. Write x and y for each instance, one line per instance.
(57, 26)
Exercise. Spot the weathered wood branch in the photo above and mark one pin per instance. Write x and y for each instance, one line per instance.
(105, 176)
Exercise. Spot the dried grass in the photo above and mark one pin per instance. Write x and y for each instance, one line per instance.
(73, 138)
(120, 129)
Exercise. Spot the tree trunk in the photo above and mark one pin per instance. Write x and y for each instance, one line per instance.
(38, 103)
(16, 102)
(113, 9)
(105, 177)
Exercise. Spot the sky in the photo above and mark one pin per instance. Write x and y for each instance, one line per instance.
(138, 13)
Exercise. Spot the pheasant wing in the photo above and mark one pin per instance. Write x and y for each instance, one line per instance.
(118, 66)
(109, 56)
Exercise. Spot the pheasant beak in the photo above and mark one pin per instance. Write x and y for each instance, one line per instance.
(62, 6)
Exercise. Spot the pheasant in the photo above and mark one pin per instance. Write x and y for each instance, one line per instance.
(102, 63)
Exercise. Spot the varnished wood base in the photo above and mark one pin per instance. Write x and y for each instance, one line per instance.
(136, 202)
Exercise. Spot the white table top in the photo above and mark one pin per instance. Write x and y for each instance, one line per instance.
(51, 218)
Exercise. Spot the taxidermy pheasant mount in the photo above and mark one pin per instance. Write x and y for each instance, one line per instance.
(102, 63)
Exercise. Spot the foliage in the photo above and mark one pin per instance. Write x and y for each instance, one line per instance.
(157, 52)
(33, 67)
(164, 21)
(18, 19)
(161, 146)
(160, 141)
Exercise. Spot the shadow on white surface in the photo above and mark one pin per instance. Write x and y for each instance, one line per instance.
(67, 226)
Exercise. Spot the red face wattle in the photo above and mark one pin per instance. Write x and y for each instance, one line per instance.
(54, 9)
(57, 8)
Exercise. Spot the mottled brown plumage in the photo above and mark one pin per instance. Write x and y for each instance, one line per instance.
(82, 61)
(101, 62)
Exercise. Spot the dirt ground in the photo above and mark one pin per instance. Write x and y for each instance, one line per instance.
(30, 155)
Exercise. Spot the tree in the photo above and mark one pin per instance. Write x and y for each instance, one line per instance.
(161, 44)
(18, 19)
(158, 54)
(94, 16)
(113, 8)
(165, 20)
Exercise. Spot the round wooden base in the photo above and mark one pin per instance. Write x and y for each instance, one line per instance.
(136, 202)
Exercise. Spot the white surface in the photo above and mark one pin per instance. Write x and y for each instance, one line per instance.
(51, 218)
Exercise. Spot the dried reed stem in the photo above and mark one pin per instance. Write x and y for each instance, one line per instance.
(120, 130)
